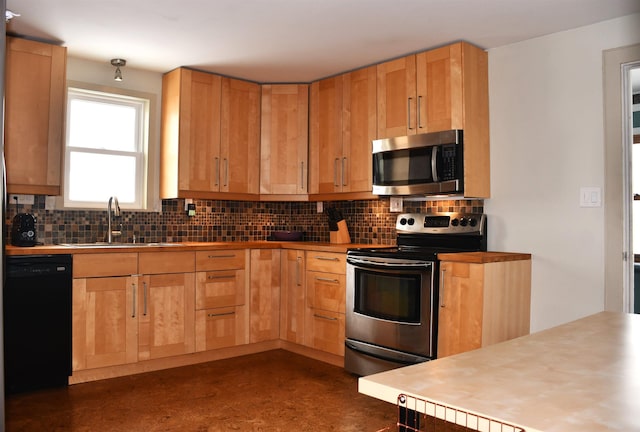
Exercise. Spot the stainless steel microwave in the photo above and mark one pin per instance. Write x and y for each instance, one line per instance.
(424, 164)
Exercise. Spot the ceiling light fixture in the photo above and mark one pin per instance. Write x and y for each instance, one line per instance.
(118, 63)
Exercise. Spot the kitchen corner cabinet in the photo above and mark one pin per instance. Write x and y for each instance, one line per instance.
(221, 293)
(105, 310)
(166, 304)
(325, 308)
(441, 89)
(210, 136)
(482, 304)
(292, 295)
(284, 141)
(265, 295)
(34, 116)
(342, 126)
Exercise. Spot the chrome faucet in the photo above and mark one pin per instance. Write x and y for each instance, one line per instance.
(116, 212)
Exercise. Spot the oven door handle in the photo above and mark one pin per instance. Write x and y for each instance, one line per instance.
(418, 359)
(395, 265)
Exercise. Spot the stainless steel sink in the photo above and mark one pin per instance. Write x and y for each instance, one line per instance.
(116, 245)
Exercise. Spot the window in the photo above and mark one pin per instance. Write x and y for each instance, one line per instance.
(106, 149)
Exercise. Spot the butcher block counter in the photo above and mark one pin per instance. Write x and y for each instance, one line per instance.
(580, 376)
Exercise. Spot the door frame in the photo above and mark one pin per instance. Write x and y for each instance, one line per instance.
(618, 254)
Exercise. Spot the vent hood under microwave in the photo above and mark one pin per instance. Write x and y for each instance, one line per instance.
(424, 164)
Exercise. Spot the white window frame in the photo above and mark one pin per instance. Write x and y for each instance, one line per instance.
(146, 192)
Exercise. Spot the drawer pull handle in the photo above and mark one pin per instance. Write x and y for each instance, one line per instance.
(144, 285)
(327, 280)
(221, 277)
(322, 258)
(325, 317)
(220, 256)
(213, 315)
(133, 301)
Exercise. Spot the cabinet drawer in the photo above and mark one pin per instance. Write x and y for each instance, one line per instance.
(166, 262)
(326, 291)
(220, 327)
(325, 331)
(220, 288)
(327, 262)
(220, 260)
(105, 264)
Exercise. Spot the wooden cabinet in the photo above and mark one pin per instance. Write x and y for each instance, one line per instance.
(210, 136)
(166, 304)
(342, 126)
(240, 137)
(441, 89)
(482, 303)
(34, 116)
(221, 291)
(325, 303)
(105, 312)
(265, 295)
(292, 295)
(284, 141)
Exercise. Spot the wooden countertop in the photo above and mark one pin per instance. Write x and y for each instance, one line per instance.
(581, 376)
(483, 257)
(187, 246)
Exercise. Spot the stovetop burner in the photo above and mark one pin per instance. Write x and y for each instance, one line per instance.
(424, 235)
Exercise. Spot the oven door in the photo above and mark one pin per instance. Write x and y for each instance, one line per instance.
(390, 304)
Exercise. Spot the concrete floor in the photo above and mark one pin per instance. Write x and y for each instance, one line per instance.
(272, 391)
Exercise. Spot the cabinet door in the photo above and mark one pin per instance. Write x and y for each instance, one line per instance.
(359, 129)
(221, 327)
(166, 315)
(461, 305)
(439, 85)
(284, 139)
(34, 115)
(105, 322)
(240, 137)
(325, 331)
(190, 160)
(396, 96)
(292, 296)
(325, 139)
(265, 295)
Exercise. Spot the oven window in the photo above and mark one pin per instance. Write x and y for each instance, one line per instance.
(389, 296)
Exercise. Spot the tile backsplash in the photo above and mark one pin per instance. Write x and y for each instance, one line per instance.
(369, 222)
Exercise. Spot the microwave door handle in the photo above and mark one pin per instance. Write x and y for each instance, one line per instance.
(434, 164)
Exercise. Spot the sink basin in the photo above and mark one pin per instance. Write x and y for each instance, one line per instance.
(116, 245)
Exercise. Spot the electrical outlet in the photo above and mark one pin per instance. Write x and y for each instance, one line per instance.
(187, 201)
(395, 204)
(22, 199)
(50, 203)
(319, 208)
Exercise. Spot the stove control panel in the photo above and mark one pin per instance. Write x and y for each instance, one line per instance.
(441, 223)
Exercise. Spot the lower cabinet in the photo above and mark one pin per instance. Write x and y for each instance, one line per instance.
(105, 310)
(482, 303)
(325, 302)
(264, 308)
(292, 295)
(221, 291)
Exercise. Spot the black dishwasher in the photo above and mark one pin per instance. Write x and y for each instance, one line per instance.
(37, 322)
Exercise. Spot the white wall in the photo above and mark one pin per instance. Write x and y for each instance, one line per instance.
(547, 141)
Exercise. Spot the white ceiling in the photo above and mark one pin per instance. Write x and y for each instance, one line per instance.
(291, 40)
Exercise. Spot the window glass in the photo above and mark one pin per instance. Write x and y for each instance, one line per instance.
(105, 152)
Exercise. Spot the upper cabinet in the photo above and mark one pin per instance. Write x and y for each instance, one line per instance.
(284, 141)
(210, 136)
(441, 89)
(342, 126)
(34, 116)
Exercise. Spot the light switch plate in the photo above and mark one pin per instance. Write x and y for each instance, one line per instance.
(590, 197)
(319, 208)
(395, 204)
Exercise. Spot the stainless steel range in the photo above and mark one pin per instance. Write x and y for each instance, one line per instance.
(391, 316)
